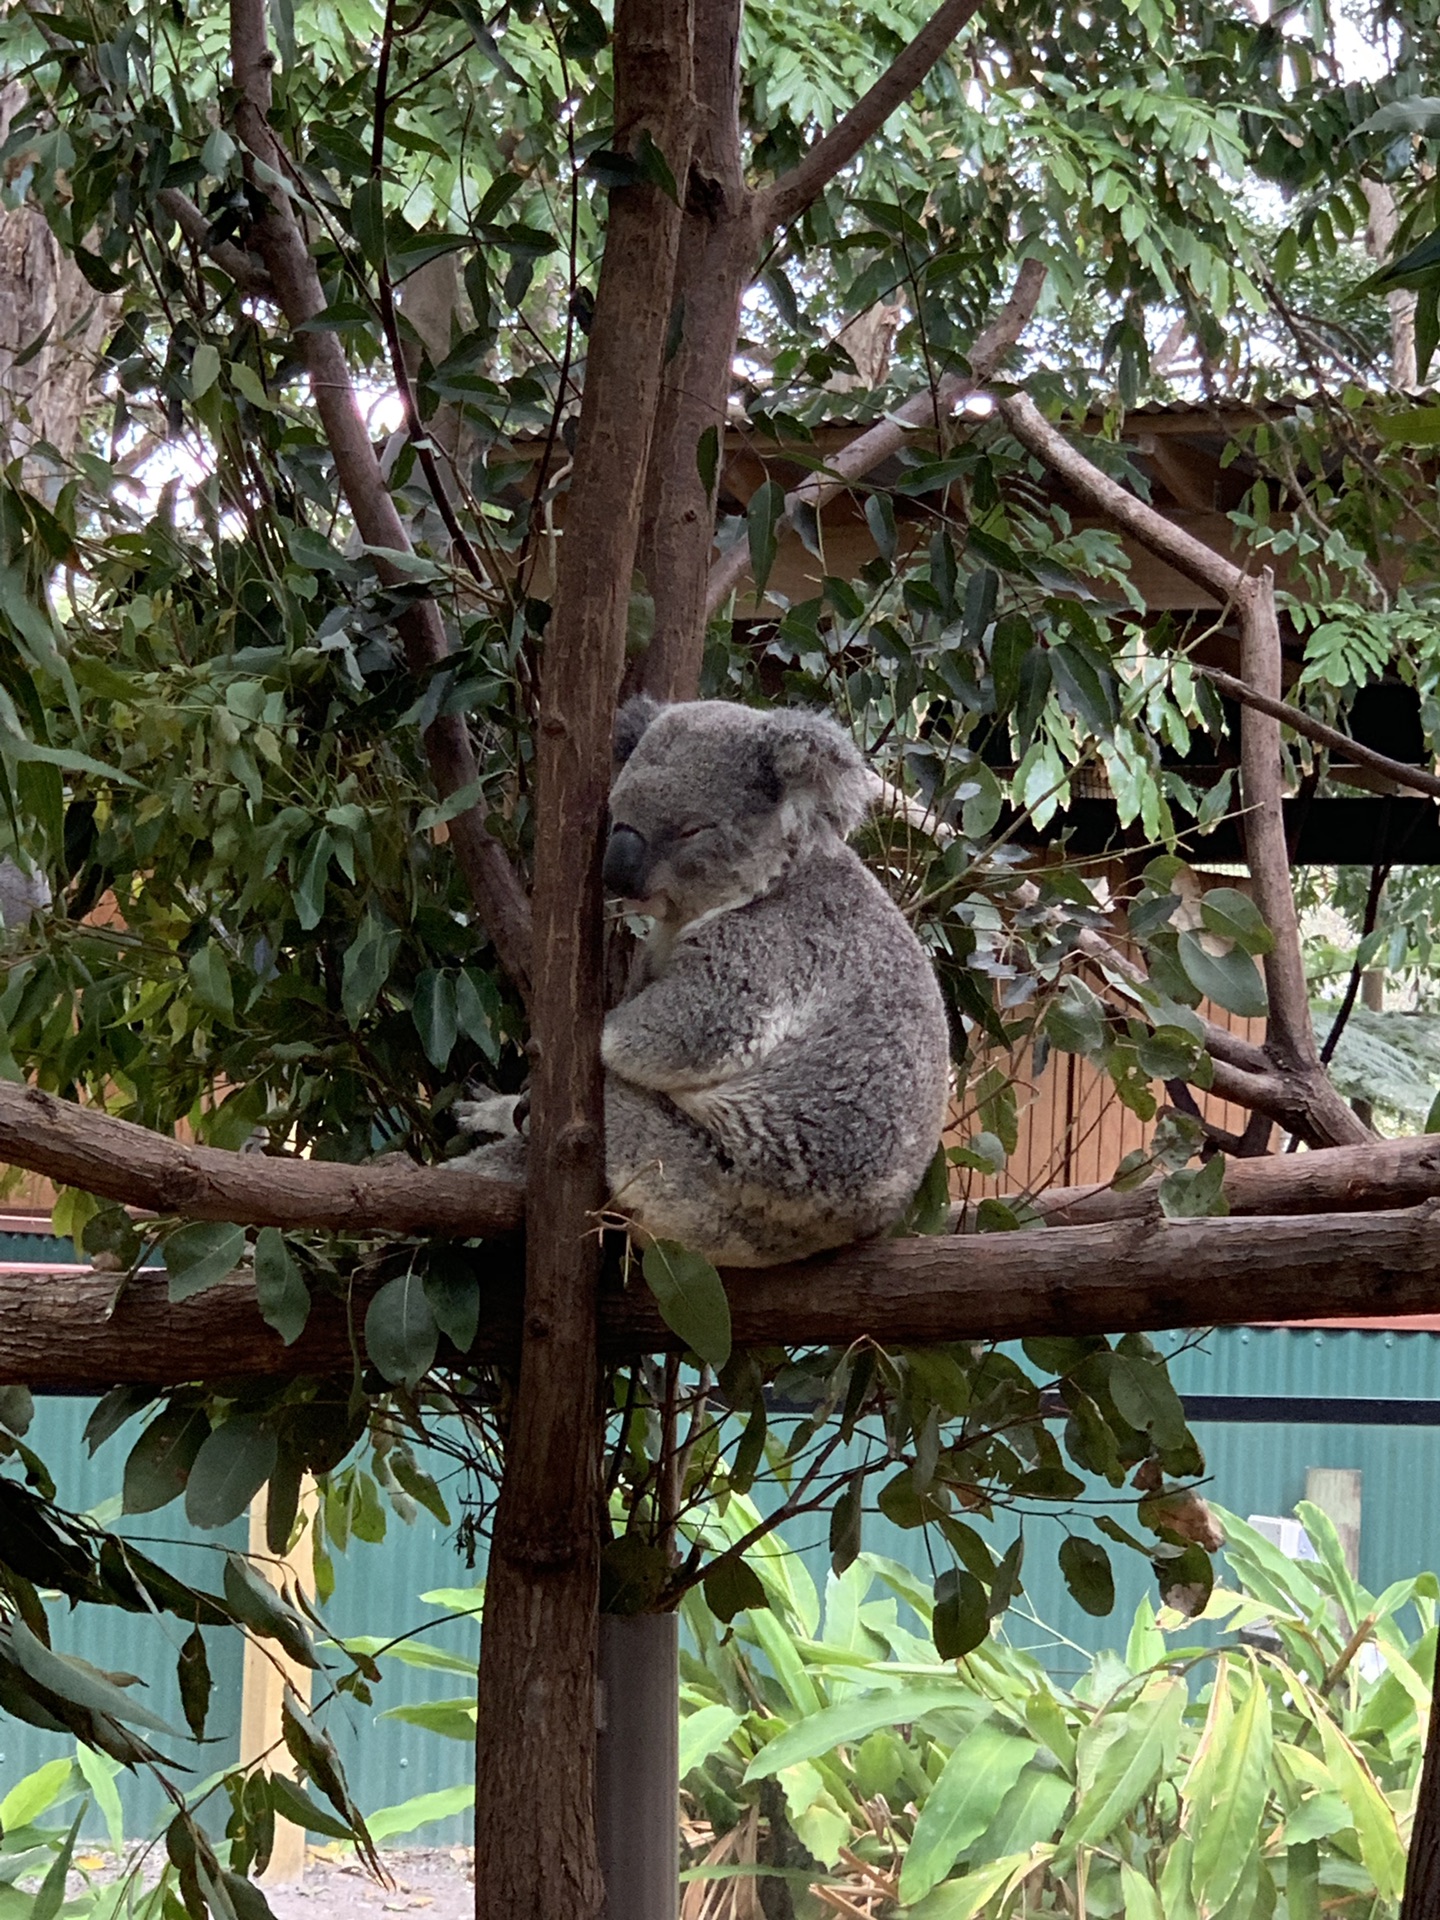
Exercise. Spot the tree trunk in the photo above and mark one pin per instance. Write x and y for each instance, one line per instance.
(42, 291)
(1421, 1899)
(535, 1851)
(717, 257)
(1380, 231)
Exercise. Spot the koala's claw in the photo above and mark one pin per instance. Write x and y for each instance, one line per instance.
(496, 1116)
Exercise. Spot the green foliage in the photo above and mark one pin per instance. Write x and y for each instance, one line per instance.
(212, 751)
(1273, 1756)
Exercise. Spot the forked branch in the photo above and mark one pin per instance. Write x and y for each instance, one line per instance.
(1296, 1090)
(1203, 565)
(727, 228)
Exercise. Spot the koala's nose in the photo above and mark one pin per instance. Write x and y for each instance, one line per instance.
(627, 860)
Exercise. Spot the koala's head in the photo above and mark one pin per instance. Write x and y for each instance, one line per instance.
(713, 801)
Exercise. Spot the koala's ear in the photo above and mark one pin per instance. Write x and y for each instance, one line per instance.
(819, 763)
(630, 722)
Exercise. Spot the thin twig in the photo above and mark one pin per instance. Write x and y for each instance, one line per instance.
(1379, 874)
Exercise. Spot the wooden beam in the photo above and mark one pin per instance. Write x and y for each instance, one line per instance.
(1112, 1278)
(265, 1674)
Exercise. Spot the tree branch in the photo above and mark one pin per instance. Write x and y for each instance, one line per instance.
(1113, 1278)
(1309, 1105)
(83, 1147)
(1399, 771)
(1288, 1027)
(792, 193)
(243, 267)
(886, 437)
(1203, 565)
(1266, 1080)
(1374, 1177)
(1233, 1049)
(492, 880)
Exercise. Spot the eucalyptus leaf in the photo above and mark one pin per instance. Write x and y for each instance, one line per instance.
(234, 1461)
(401, 1333)
(280, 1289)
(691, 1297)
(201, 1255)
(1231, 980)
(1086, 1568)
(264, 1611)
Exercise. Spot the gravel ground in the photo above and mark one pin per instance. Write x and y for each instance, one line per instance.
(438, 1881)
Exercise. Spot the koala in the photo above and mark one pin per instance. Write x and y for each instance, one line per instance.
(777, 1073)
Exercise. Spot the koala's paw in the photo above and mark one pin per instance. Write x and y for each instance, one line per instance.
(497, 1116)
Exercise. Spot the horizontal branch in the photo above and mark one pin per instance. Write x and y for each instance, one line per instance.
(82, 1147)
(1360, 1179)
(1113, 1278)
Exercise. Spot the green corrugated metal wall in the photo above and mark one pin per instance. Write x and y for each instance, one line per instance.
(1254, 1467)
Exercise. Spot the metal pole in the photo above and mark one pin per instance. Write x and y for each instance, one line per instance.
(638, 1766)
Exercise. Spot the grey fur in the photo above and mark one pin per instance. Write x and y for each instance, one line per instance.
(777, 1072)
